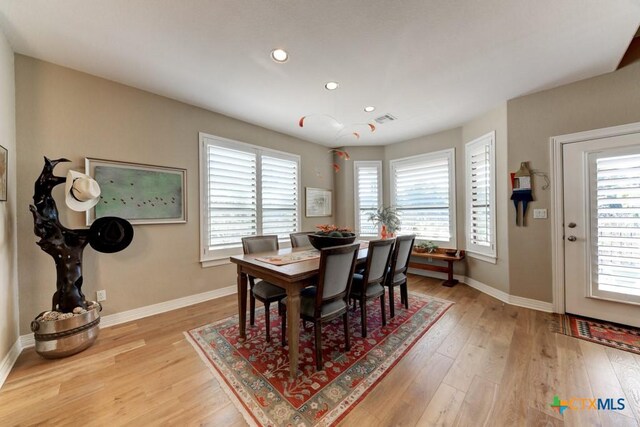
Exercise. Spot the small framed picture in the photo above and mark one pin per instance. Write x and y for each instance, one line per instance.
(318, 202)
(141, 194)
(4, 165)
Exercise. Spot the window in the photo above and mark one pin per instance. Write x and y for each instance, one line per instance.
(245, 190)
(368, 195)
(481, 197)
(423, 192)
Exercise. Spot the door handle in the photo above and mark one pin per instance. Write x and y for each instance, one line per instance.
(572, 225)
(572, 238)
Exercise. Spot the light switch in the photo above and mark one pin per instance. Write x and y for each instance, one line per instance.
(540, 213)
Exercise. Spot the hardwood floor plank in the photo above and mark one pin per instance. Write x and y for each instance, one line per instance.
(536, 418)
(479, 403)
(443, 408)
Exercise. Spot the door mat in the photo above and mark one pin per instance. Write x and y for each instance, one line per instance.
(255, 374)
(614, 335)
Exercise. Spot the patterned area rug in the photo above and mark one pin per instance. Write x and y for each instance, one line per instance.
(613, 335)
(255, 374)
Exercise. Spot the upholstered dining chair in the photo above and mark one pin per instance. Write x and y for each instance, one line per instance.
(369, 284)
(328, 299)
(262, 291)
(397, 273)
(300, 239)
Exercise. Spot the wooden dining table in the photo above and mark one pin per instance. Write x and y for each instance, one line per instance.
(292, 277)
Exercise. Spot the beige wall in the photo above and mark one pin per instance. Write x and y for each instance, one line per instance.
(8, 227)
(607, 100)
(66, 113)
(495, 275)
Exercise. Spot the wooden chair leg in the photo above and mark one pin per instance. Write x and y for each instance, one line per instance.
(283, 321)
(252, 309)
(363, 317)
(347, 341)
(382, 310)
(316, 326)
(405, 292)
(267, 320)
(392, 302)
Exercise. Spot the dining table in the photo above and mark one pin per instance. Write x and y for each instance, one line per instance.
(292, 277)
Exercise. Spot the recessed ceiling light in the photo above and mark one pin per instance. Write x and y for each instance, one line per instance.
(369, 109)
(279, 55)
(331, 85)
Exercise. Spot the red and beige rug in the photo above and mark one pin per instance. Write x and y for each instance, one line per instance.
(621, 337)
(255, 374)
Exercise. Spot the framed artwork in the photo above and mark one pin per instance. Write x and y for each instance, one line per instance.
(141, 194)
(317, 202)
(4, 164)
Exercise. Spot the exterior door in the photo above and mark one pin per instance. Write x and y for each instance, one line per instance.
(602, 228)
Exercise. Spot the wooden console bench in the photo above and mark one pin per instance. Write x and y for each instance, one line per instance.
(438, 255)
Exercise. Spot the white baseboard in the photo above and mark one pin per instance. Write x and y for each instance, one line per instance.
(9, 360)
(149, 310)
(491, 291)
(533, 304)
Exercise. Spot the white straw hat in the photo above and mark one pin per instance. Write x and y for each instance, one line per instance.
(81, 191)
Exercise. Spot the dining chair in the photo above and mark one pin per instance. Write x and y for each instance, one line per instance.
(300, 239)
(369, 284)
(262, 291)
(328, 299)
(397, 273)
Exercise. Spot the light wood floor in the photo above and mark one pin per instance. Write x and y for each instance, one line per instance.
(483, 363)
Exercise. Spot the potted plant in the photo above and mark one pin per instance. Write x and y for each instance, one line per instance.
(387, 217)
(428, 247)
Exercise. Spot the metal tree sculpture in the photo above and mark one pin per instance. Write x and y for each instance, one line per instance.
(63, 244)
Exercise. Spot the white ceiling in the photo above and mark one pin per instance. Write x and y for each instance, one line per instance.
(431, 63)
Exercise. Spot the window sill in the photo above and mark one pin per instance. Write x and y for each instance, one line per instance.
(206, 263)
(482, 257)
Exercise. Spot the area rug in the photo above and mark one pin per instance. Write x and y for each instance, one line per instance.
(255, 374)
(613, 335)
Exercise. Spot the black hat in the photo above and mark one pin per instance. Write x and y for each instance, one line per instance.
(110, 234)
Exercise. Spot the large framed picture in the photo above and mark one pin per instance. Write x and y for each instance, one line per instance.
(4, 165)
(141, 194)
(318, 202)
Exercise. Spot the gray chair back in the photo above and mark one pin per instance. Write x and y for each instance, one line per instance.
(337, 265)
(402, 253)
(300, 239)
(378, 260)
(257, 244)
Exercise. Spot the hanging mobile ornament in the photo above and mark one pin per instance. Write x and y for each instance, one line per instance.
(521, 182)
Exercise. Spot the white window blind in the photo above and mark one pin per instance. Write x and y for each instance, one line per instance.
(424, 196)
(232, 201)
(480, 195)
(368, 195)
(279, 196)
(615, 221)
(246, 190)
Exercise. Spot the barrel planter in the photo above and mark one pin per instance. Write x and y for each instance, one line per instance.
(65, 337)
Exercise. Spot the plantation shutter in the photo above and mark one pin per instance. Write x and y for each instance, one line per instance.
(232, 196)
(423, 196)
(615, 221)
(480, 195)
(367, 179)
(279, 196)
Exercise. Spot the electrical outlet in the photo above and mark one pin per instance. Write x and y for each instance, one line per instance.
(540, 213)
(101, 295)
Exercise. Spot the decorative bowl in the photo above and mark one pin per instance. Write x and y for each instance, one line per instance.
(321, 242)
(451, 252)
